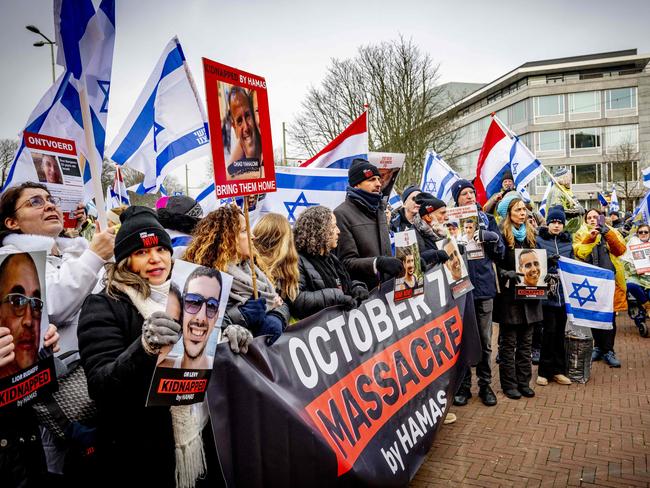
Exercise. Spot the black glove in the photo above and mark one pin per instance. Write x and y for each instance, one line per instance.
(604, 230)
(254, 313)
(159, 330)
(488, 236)
(553, 259)
(347, 302)
(359, 293)
(512, 276)
(273, 327)
(461, 249)
(393, 267)
(440, 256)
(550, 278)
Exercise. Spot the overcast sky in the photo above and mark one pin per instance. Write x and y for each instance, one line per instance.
(291, 42)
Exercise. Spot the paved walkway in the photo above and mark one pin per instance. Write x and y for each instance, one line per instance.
(590, 435)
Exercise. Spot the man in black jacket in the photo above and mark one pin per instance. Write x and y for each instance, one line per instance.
(364, 243)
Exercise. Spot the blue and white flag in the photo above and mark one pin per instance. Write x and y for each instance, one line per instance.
(542, 204)
(523, 165)
(588, 293)
(602, 200)
(613, 201)
(395, 201)
(85, 39)
(643, 209)
(300, 188)
(116, 194)
(167, 127)
(437, 177)
(646, 176)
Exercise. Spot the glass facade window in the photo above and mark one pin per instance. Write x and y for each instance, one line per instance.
(624, 170)
(621, 102)
(585, 141)
(586, 173)
(622, 138)
(550, 143)
(517, 113)
(584, 105)
(549, 109)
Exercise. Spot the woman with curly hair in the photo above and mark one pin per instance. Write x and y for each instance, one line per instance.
(273, 240)
(515, 317)
(324, 282)
(220, 241)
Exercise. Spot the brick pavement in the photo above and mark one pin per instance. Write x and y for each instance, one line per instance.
(597, 434)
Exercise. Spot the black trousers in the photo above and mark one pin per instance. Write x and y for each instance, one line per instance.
(515, 345)
(552, 359)
(483, 309)
(538, 330)
(604, 339)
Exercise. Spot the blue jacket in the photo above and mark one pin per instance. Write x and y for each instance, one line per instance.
(561, 244)
(481, 271)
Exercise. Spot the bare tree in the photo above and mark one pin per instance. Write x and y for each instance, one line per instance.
(8, 148)
(399, 83)
(624, 172)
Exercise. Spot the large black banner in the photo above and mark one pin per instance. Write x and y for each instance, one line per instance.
(344, 398)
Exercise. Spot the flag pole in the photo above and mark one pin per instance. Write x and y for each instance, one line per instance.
(250, 248)
(96, 179)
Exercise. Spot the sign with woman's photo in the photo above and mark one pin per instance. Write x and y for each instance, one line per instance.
(531, 267)
(240, 131)
(411, 283)
(465, 221)
(455, 268)
(56, 165)
(23, 317)
(197, 301)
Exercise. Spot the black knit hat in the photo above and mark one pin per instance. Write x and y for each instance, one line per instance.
(459, 186)
(407, 192)
(507, 175)
(140, 229)
(556, 214)
(181, 213)
(430, 205)
(360, 171)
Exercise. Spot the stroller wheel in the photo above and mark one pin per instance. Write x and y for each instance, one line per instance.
(643, 329)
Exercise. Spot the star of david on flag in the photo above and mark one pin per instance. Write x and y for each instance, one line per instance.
(588, 293)
(291, 207)
(437, 176)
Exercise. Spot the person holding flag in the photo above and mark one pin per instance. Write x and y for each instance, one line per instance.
(561, 194)
(598, 244)
(507, 184)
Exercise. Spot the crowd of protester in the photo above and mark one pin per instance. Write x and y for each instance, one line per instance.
(106, 298)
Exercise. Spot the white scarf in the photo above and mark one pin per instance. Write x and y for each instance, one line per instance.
(190, 454)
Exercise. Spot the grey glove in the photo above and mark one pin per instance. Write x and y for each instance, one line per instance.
(239, 338)
(159, 330)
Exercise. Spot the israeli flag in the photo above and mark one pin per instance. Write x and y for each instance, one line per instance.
(613, 201)
(523, 164)
(602, 200)
(116, 193)
(437, 177)
(643, 208)
(588, 293)
(86, 39)
(167, 127)
(300, 188)
(646, 176)
(395, 201)
(542, 204)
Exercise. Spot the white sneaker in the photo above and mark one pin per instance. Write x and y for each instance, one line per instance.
(450, 418)
(541, 381)
(561, 379)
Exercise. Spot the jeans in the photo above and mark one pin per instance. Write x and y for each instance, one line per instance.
(515, 345)
(483, 310)
(604, 339)
(552, 359)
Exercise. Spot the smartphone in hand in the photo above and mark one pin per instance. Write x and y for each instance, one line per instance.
(601, 221)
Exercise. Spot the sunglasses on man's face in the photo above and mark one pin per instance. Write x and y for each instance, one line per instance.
(192, 303)
(19, 304)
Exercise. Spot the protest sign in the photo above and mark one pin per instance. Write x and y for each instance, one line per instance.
(389, 165)
(464, 221)
(641, 257)
(197, 300)
(23, 312)
(531, 267)
(344, 398)
(240, 129)
(407, 251)
(56, 165)
(455, 268)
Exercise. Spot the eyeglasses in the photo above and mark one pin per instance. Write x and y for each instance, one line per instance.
(19, 304)
(192, 303)
(39, 202)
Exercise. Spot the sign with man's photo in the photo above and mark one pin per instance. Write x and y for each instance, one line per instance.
(455, 268)
(197, 301)
(641, 256)
(465, 221)
(531, 268)
(240, 131)
(406, 250)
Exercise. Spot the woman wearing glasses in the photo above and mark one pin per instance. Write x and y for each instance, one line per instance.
(220, 242)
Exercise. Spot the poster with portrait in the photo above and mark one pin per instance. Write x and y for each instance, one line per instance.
(455, 268)
(531, 268)
(56, 165)
(411, 283)
(462, 224)
(389, 165)
(641, 257)
(240, 131)
(197, 301)
(23, 317)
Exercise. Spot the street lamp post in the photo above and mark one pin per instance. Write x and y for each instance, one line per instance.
(48, 41)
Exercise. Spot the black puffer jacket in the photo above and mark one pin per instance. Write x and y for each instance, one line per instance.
(314, 295)
(132, 438)
(364, 236)
(22, 461)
